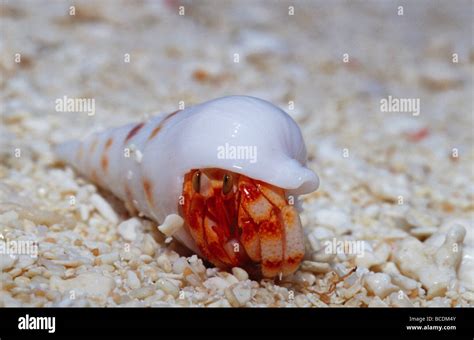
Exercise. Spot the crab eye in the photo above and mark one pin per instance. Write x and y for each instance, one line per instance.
(197, 181)
(227, 184)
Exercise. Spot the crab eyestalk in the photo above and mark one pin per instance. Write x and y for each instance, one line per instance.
(239, 221)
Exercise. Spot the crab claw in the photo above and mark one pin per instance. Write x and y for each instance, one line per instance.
(239, 221)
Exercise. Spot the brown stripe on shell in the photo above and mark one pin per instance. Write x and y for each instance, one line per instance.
(157, 129)
(104, 161)
(89, 151)
(134, 131)
(147, 187)
(155, 132)
(108, 143)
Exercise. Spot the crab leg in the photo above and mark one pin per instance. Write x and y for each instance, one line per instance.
(271, 242)
(270, 231)
(195, 209)
(249, 237)
(294, 241)
(215, 242)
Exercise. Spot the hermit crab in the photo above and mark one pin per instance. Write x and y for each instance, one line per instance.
(230, 167)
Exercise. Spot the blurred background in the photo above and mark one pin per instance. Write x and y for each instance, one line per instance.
(190, 57)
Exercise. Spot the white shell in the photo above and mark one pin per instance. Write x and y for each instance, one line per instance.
(192, 139)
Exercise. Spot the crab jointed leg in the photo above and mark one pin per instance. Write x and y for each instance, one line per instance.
(276, 224)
